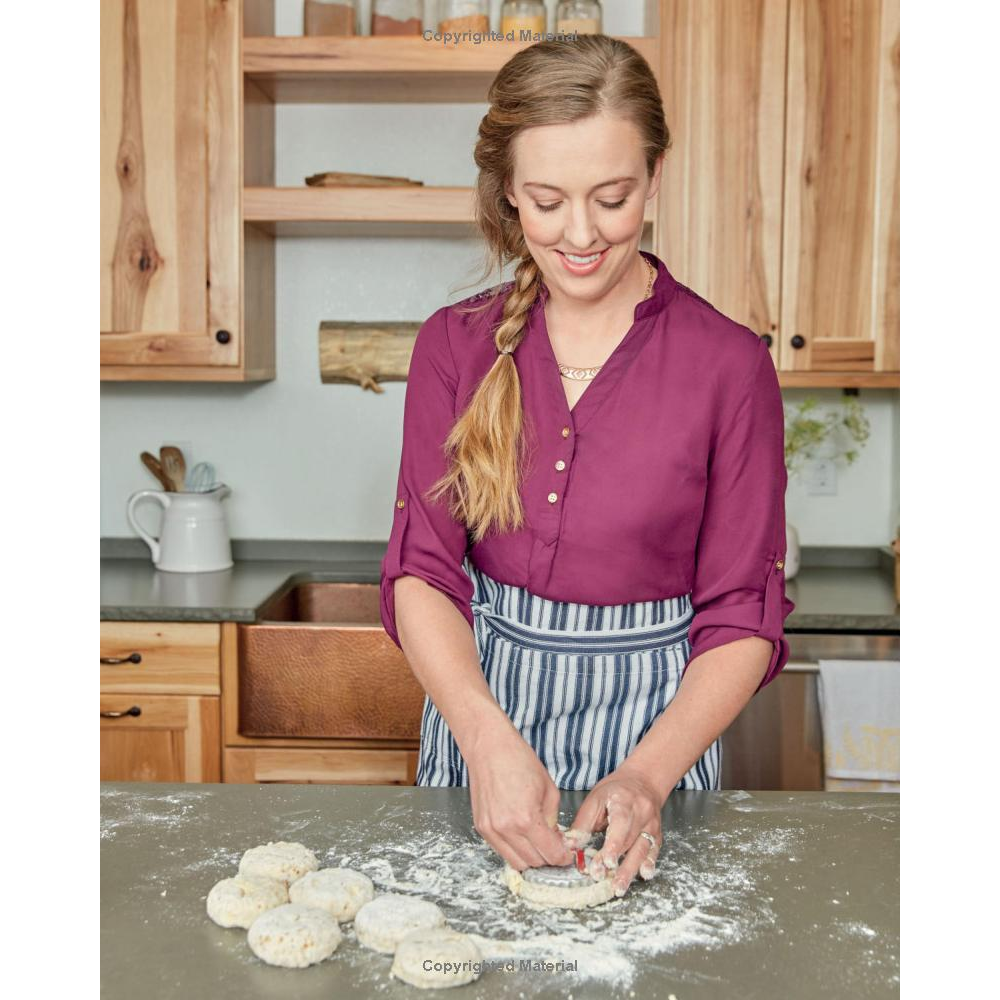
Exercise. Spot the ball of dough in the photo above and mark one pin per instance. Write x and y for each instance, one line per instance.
(239, 901)
(570, 897)
(386, 920)
(437, 957)
(339, 891)
(279, 859)
(294, 935)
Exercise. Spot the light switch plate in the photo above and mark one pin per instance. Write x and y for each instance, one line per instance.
(821, 477)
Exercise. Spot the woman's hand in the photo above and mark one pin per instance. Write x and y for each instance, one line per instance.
(625, 804)
(515, 803)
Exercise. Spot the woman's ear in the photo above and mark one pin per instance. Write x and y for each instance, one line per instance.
(509, 195)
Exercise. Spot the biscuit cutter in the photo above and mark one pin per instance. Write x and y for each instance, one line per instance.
(561, 876)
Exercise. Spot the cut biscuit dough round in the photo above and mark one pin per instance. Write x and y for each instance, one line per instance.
(279, 859)
(339, 891)
(239, 901)
(386, 920)
(571, 897)
(294, 936)
(435, 958)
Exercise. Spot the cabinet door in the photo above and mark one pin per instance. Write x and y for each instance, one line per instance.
(722, 76)
(170, 187)
(840, 299)
(160, 738)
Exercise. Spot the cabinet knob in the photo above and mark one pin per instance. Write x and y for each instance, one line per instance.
(798, 341)
(767, 338)
(131, 658)
(134, 710)
(223, 336)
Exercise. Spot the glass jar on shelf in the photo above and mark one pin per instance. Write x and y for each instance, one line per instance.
(457, 16)
(581, 16)
(397, 17)
(523, 15)
(329, 17)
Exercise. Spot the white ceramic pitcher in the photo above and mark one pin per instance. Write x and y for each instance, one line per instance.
(193, 535)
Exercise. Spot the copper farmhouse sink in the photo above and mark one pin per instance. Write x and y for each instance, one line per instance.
(318, 664)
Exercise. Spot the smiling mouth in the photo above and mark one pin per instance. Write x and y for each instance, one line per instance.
(580, 259)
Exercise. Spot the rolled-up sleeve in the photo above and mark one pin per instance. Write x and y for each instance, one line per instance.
(425, 540)
(739, 582)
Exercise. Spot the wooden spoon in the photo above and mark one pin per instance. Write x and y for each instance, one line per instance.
(154, 466)
(172, 461)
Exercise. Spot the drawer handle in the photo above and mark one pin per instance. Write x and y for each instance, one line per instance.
(134, 710)
(131, 658)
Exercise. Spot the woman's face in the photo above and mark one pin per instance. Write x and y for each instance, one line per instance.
(580, 190)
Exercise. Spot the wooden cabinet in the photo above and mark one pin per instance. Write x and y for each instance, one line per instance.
(160, 701)
(170, 712)
(159, 738)
(780, 200)
(172, 241)
(318, 765)
(840, 258)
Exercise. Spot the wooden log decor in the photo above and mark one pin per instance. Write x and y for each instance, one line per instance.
(365, 354)
(336, 178)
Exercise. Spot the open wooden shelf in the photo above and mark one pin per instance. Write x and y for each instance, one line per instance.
(365, 69)
(838, 380)
(363, 211)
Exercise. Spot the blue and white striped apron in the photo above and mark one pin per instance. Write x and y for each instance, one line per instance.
(581, 683)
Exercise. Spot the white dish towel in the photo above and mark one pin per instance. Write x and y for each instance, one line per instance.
(859, 706)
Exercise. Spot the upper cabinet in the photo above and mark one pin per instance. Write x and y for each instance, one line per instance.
(172, 240)
(779, 202)
(781, 192)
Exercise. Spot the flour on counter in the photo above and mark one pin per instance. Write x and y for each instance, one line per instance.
(714, 888)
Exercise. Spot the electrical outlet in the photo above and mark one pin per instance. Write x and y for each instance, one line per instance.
(821, 478)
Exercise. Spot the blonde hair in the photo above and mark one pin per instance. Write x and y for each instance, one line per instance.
(550, 82)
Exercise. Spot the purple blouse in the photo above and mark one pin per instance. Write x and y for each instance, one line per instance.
(667, 476)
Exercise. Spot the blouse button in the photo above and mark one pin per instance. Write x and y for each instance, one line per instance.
(401, 502)
(565, 432)
(553, 497)
(560, 465)
(779, 564)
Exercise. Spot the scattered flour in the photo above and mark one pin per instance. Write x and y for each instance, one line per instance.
(713, 888)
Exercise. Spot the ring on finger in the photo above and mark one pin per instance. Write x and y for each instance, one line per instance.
(650, 838)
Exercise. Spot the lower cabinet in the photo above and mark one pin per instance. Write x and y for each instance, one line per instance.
(160, 738)
(320, 766)
(161, 717)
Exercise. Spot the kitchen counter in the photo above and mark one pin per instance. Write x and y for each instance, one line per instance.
(762, 895)
(836, 589)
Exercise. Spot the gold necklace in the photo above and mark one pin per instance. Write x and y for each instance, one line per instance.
(586, 374)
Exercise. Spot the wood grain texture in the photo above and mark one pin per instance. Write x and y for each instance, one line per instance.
(172, 273)
(315, 69)
(840, 260)
(176, 657)
(176, 738)
(135, 259)
(722, 76)
(248, 765)
(224, 108)
(366, 353)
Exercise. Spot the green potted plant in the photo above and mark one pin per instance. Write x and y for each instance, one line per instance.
(839, 434)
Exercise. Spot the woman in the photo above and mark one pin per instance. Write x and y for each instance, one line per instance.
(585, 563)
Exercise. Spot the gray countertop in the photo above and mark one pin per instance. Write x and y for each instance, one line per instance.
(836, 589)
(760, 895)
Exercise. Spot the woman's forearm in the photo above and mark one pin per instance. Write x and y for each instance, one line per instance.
(442, 653)
(716, 687)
